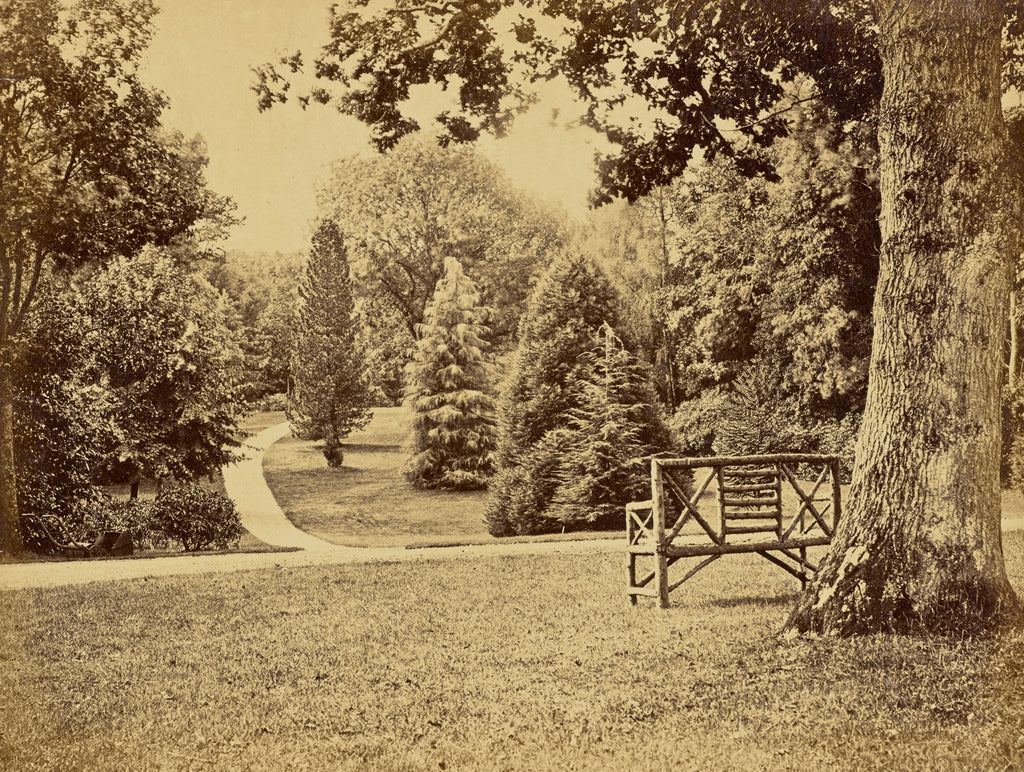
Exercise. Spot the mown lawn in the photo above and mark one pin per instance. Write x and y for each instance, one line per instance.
(367, 502)
(533, 663)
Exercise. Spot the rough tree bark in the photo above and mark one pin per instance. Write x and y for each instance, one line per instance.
(10, 533)
(920, 547)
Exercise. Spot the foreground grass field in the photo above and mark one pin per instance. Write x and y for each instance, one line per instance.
(489, 663)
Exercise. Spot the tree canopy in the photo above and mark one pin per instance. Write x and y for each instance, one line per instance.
(402, 214)
(86, 171)
(658, 79)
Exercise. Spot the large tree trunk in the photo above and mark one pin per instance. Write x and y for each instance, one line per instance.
(10, 532)
(920, 547)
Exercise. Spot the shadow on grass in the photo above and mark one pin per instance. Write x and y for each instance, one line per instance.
(34, 557)
(755, 600)
(372, 448)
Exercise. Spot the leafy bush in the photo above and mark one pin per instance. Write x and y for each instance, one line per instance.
(131, 516)
(198, 518)
(757, 417)
(272, 403)
(695, 422)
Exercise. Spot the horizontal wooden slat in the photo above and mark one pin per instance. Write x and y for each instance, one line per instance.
(636, 506)
(726, 489)
(749, 515)
(751, 502)
(694, 550)
(751, 528)
(712, 461)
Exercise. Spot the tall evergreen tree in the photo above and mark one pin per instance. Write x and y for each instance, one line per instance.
(454, 429)
(329, 398)
(569, 305)
(598, 470)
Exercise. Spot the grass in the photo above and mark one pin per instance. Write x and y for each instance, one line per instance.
(366, 502)
(528, 662)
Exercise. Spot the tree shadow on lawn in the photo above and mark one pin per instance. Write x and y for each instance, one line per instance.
(767, 599)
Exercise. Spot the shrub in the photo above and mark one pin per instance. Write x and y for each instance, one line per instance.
(131, 516)
(521, 494)
(696, 421)
(198, 518)
(756, 417)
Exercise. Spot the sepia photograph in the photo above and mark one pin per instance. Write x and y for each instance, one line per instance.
(512, 385)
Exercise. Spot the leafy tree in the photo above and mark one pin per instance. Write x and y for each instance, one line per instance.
(570, 303)
(453, 432)
(330, 397)
(129, 372)
(402, 214)
(636, 245)
(170, 369)
(389, 346)
(60, 428)
(777, 278)
(85, 171)
(920, 546)
(655, 78)
(263, 291)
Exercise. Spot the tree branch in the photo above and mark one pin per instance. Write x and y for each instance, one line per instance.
(30, 293)
(759, 121)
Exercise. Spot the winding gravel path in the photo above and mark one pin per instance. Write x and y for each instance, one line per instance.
(263, 518)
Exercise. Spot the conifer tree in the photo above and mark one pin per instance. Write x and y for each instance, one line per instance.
(454, 428)
(570, 303)
(329, 397)
(599, 469)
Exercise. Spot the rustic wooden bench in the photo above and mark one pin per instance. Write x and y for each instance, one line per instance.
(774, 505)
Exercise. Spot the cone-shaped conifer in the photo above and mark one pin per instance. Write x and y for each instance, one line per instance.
(570, 303)
(600, 467)
(454, 425)
(329, 396)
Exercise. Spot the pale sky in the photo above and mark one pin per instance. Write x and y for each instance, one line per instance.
(269, 163)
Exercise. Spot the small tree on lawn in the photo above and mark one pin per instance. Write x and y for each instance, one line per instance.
(571, 302)
(454, 428)
(330, 397)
